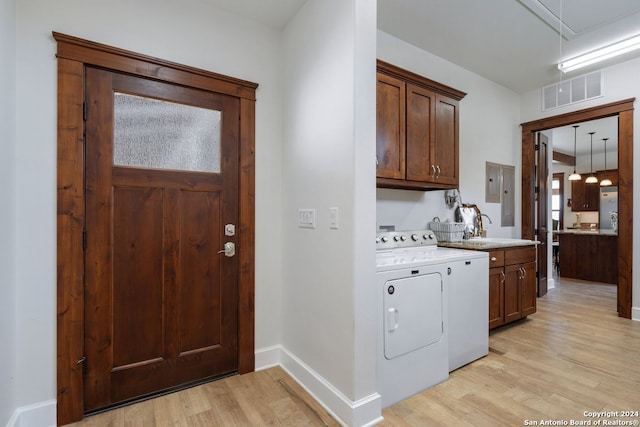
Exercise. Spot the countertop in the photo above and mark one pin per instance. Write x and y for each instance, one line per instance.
(595, 232)
(487, 243)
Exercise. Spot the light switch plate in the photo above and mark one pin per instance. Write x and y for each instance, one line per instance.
(333, 218)
(307, 218)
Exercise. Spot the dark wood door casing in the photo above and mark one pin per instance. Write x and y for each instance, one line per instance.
(73, 56)
(542, 226)
(624, 111)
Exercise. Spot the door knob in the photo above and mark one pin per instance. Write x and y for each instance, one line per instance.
(229, 249)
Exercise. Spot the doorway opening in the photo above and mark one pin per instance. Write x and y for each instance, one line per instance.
(586, 244)
(623, 110)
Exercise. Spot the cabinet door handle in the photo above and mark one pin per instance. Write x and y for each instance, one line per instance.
(438, 168)
(433, 168)
(524, 272)
(502, 277)
(494, 259)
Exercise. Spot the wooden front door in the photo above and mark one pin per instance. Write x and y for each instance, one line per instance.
(161, 300)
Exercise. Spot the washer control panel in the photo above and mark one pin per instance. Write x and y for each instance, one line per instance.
(405, 239)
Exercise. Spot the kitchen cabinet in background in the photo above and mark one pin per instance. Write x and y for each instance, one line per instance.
(417, 131)
(612, 174)
(589, 256)
(585, 197)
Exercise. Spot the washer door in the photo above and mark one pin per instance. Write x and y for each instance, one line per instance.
(412, 313)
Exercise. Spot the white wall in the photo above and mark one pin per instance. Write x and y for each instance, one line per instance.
(189, 32)
(364, 204)
(619, 82)
(329, 108)
(489, 131)
(8, 212)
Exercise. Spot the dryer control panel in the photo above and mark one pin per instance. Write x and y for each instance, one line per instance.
(405, 239)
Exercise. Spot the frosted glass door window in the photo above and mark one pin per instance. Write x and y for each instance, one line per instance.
(150, 133)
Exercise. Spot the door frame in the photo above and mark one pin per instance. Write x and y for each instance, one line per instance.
(73, 55)
(542, 210)
(622, 109)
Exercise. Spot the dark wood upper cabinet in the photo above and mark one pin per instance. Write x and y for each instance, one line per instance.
(612, 174)
(391, 128)
(585, 197)
(417, 131)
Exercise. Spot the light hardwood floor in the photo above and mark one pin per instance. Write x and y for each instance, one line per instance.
(573, 355)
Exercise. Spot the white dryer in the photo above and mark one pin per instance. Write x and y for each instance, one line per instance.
(413, 281)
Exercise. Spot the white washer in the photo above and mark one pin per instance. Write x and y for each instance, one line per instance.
(414, 283)
(468, 311)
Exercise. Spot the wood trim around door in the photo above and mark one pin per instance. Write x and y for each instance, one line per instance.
(624, 111)
(74, 55)
(560, 177)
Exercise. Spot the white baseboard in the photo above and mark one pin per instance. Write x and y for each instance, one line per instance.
(41, 414)
(635, 313)
(268, 357)
(361, 413)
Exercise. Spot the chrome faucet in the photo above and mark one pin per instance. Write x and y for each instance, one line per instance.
(481, 231)
(490, 222)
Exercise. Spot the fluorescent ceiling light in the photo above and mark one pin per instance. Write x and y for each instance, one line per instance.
(601, 54)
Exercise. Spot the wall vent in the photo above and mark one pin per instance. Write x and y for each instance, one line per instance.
(577, 89)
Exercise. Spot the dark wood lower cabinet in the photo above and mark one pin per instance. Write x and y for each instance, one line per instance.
(592, 257)
(496, 297)
(608, 259)
(512, 285)
(528, 289)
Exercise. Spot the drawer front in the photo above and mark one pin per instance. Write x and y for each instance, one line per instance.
(496, 258)
(519, 255)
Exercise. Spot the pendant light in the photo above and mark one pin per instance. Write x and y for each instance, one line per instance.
(575, 176)
(591, 179)
(606, 181)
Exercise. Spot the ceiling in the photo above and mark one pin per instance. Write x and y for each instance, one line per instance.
(515, 43)
(603, 128)
(274, 13)
(507, 41)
